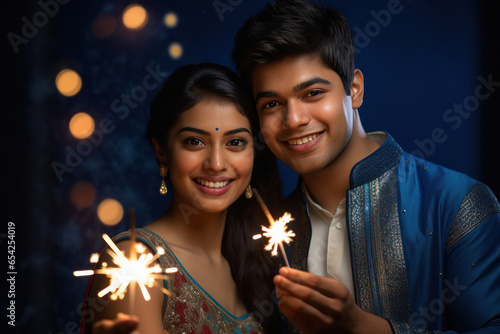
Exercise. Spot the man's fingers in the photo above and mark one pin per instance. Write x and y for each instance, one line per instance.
(305, 316)
(287, 289)
(329, 287)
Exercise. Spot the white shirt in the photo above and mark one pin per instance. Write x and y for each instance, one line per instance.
(329, 254)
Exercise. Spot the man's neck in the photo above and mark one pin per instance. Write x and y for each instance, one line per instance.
(328, 186)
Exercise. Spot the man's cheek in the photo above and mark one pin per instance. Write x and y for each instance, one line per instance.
(268, 132)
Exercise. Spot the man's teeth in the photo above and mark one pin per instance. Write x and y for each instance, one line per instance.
(211, 184)
(303, 140)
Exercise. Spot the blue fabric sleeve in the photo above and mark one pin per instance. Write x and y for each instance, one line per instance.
(471, 292)
(473, 268)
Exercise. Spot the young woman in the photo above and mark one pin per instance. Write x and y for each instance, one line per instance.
(202, 126)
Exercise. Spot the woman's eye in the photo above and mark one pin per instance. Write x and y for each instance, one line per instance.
(237, 142)
(193, 142)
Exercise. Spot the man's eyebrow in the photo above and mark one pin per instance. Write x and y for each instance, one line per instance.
(296, 88)
(200, 131)
(270, 93)
(238, 130)
(309, 83)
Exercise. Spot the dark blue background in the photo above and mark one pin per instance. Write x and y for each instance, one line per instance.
(416, 67)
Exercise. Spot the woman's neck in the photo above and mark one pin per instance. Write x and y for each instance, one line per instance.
(187, 228)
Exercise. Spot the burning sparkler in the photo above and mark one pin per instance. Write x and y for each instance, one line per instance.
(277, 230)
(142, 271)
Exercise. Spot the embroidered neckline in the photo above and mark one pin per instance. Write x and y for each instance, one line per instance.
(167, 248)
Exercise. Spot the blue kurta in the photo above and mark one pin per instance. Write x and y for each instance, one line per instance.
(424, 244)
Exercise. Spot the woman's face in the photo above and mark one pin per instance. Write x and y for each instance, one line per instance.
(210, 156)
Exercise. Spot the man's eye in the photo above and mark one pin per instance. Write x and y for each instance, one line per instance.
(314, 92)
(270, 105)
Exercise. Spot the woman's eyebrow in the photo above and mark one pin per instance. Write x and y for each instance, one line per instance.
(238, 130)
(189, 128)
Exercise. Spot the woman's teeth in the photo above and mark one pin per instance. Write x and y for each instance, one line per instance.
(211, 184)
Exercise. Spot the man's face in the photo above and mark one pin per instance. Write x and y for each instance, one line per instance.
(304, 112)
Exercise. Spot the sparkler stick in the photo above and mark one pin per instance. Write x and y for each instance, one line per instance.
(284, 254)
(263, 206)
(276, 232)
(133, 257)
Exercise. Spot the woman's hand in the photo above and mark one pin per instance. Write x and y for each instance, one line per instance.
(122, 324)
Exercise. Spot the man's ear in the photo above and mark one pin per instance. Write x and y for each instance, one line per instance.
(161, 152)
(357, 89)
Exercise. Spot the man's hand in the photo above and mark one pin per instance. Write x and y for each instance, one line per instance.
(122, 324)
(318, 304)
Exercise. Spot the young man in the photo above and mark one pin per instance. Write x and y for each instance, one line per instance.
(386, 242)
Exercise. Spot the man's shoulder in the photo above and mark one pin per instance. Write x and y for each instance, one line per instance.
(452, 193)
(412, 167)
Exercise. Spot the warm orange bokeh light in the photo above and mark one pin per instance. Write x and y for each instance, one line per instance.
(81, 125)
(82, 194)
(170, 20)
(175, 50)
(103, 26)
(68, 82)
(135, 17)
(110, 212)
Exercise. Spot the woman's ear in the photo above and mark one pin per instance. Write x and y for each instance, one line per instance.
(161, 152)
(357, 89)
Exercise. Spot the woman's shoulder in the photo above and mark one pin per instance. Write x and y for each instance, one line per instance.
(147, 241)
(144, 235)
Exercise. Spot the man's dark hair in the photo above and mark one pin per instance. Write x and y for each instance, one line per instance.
(296, 27)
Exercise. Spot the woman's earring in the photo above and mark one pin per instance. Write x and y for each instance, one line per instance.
(163, 173)
(249, 192)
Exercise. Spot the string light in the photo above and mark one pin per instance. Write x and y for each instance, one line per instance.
(68, 82)
(135, 16)
(110, 212)
(170, 20)
(81, 125)
(82, 194)
(175, 50)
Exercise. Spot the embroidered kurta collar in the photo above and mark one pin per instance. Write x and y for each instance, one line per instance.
(377, 163)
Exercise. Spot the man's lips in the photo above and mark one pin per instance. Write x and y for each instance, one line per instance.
(303, 140)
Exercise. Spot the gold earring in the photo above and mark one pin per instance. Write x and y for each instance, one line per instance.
(163, 173)
(249, 192)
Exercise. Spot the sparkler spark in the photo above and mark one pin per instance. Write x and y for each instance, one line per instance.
(277, 230)
(130, 270)
(277, 233)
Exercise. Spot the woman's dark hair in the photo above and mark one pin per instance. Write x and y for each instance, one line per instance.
(189, 85)
(296, 27)
(252, 268)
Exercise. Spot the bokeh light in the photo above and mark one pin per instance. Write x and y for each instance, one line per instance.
(110, 212)
(135, 17)
(68, 82)
(81, 125)
(170, 20)
(82, 194)
(103, 26)
(175, 50)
